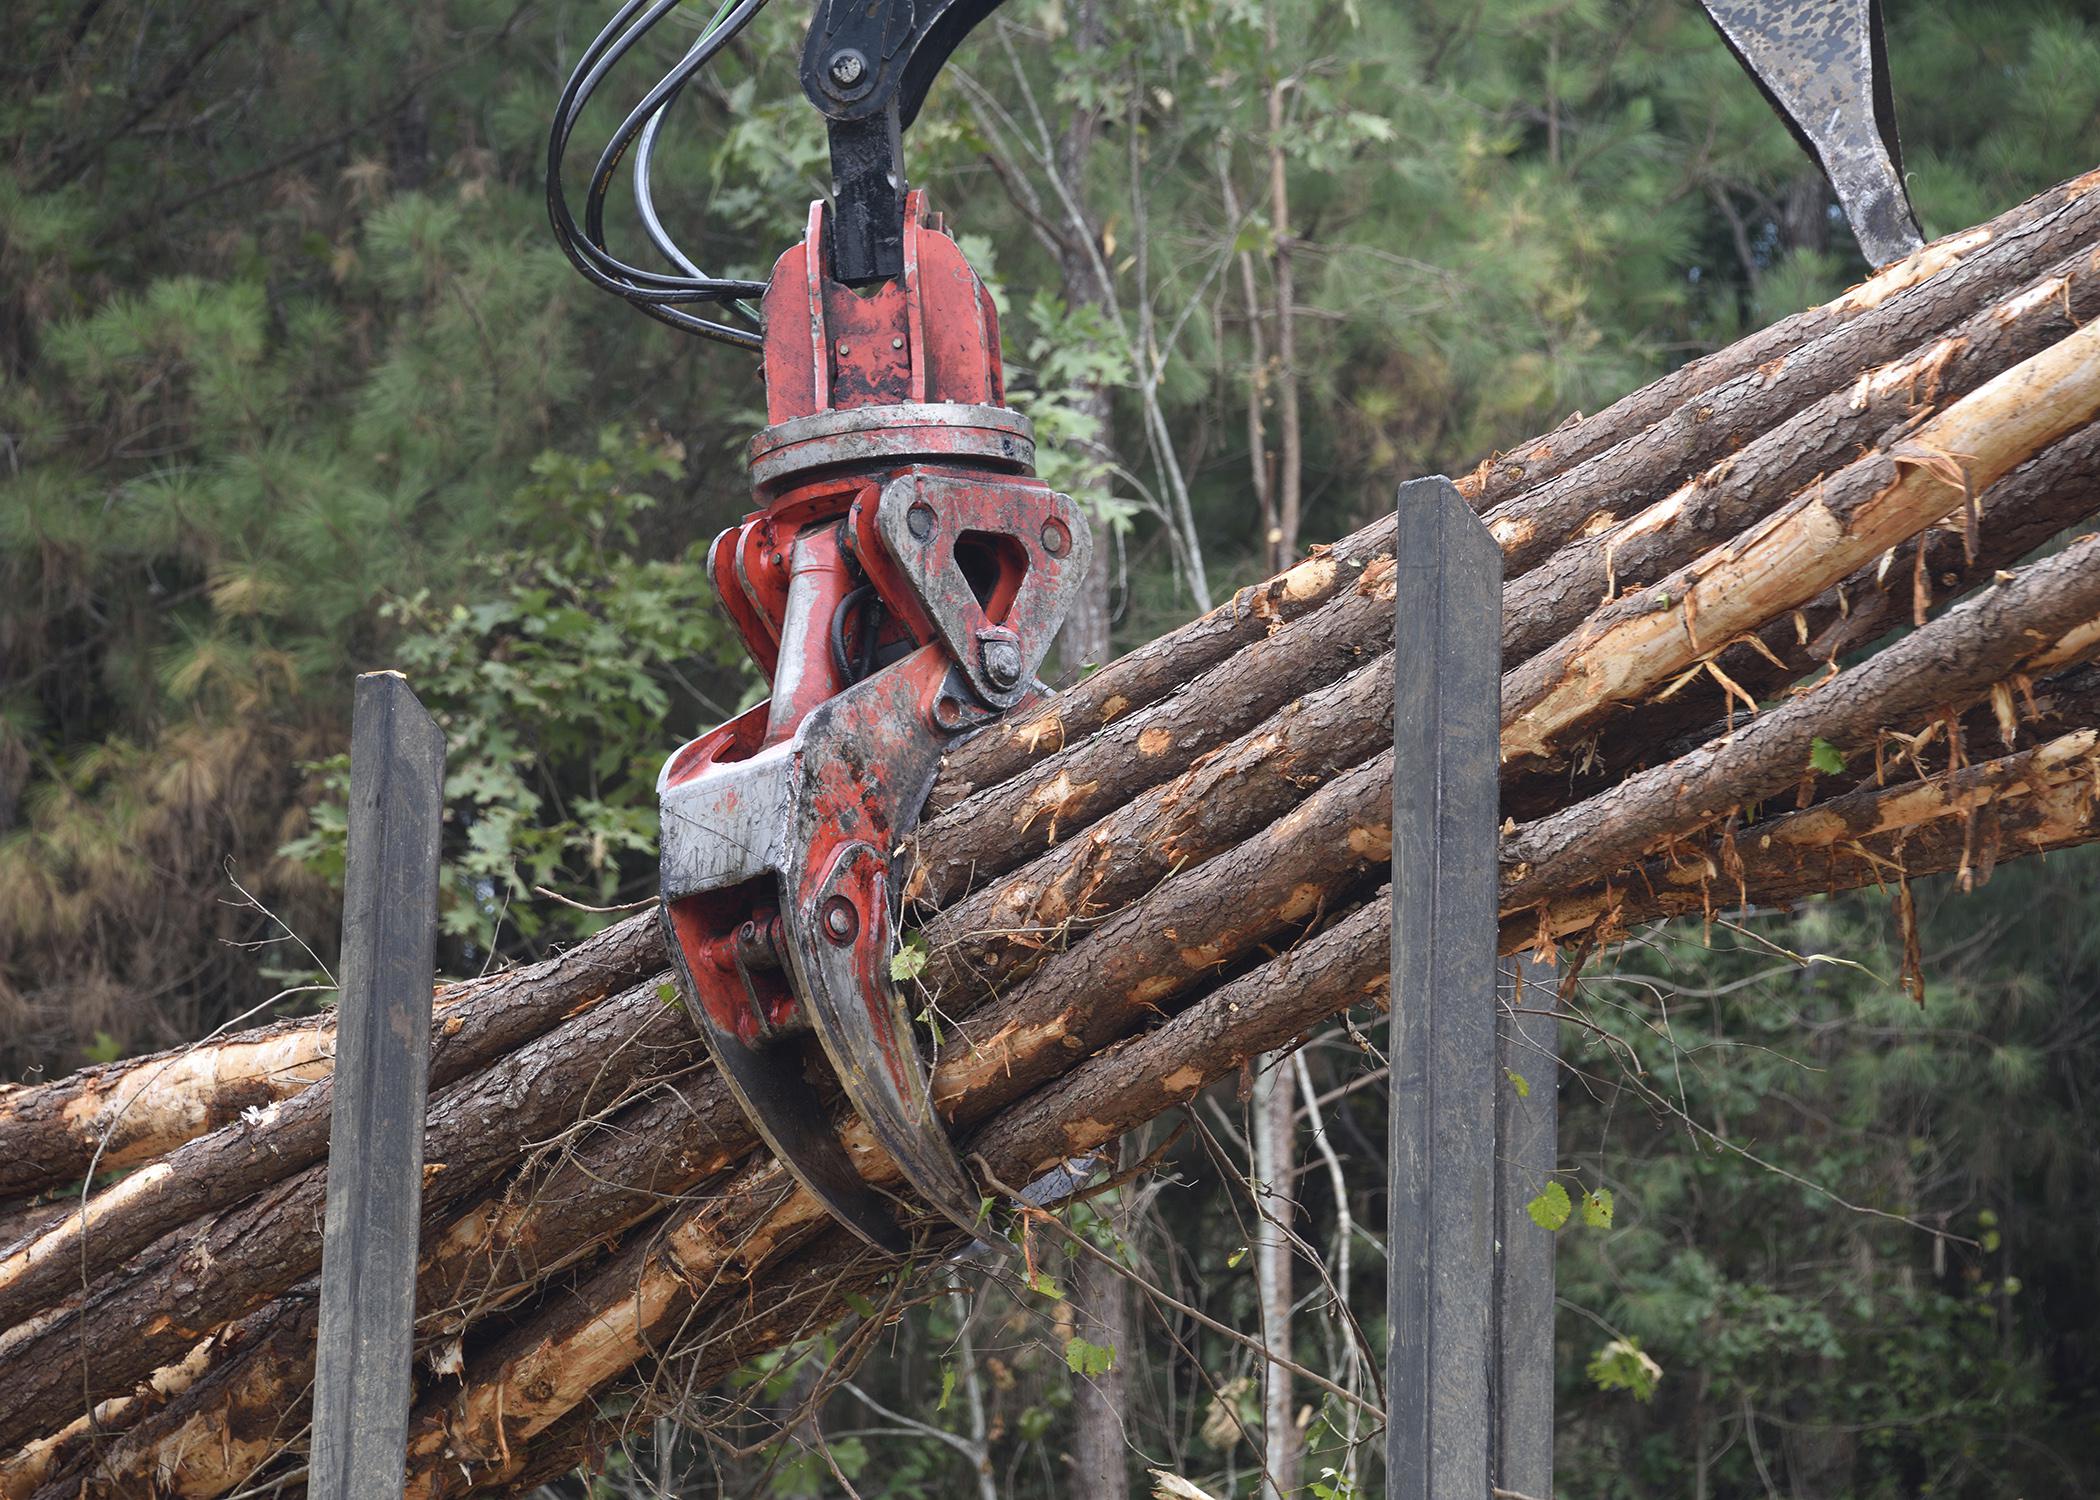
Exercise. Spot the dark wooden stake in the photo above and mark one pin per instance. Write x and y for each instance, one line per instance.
(1527, 1134)
(1446, 743)
(382, 1055)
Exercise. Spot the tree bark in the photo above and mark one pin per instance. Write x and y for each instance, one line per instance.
(120, 1114)
(1101, 1403)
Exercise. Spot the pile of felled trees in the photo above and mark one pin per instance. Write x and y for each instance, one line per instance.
(1806, 615)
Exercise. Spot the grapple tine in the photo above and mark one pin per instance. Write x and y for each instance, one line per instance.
(775, 1094)
(1823, 65)
(866, 1031)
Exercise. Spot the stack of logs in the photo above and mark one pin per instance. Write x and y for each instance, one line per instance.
(1808, 614)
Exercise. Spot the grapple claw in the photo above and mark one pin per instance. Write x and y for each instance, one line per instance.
(899, 479)
(1823, 66)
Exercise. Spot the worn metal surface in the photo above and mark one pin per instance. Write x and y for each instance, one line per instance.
(1441, 1268)
(382, 1052)
(1527, 1146)
(907, 432)
(1026, 545)
(1824, 67)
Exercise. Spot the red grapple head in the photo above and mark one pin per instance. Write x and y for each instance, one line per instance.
(900, 586)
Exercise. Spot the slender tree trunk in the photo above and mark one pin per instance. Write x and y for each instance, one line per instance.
(1290, 476)
(1101, 1406)
(1275, 1164)
(1084, 642)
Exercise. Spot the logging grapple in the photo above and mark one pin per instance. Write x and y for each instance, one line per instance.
(904, 572)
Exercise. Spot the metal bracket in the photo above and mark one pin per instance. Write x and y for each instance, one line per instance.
(947, 533)
(867, 68)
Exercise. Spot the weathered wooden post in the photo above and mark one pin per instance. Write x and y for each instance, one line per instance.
(1467, 1412)
(382, 1053)
(1527, 1150)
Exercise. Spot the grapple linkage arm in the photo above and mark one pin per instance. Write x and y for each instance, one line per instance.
(867, 67)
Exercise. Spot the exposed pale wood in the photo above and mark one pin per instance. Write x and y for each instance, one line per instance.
(1632, 648)
(1953, 660)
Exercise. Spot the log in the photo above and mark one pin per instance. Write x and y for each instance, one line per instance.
(475, 1025)
(156, 1307)
(119, 1114)
(1149, 879)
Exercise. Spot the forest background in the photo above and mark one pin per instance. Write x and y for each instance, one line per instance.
(296, 385)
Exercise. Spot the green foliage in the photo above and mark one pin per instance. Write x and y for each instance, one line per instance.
(910, 959)
(1085, 1359)
(552, 669)
(1621, 1365)
(1597, 1208)
(1550, 1209)
(1833, 1260)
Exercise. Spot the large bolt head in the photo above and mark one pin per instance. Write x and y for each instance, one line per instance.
(847, 68)
(841, 921)
(1001, 655)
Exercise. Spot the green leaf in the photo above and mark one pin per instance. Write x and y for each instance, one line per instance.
(1825, 757)
(1621, 1365)
(947, 1387)
(1232, 1261)
(860, 1304)
(1597, 1208)
(1518, 1082)
(909, 961)
(1550, 1209)
(1040, 1282)
(1083, 1358)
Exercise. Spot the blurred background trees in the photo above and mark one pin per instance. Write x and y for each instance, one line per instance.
(293, 384)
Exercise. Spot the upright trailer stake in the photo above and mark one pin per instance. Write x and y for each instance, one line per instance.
(375, 1127)
(1447, 647)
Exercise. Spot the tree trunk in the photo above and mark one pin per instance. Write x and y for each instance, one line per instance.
(1101, 1403)
(1274, 1107)
(1084, 641)
(1137, 888)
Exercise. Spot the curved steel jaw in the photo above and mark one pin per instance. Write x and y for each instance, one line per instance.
(794, 843)
(1822, 64)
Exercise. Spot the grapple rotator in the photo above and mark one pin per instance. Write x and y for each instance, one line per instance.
(900, 581)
